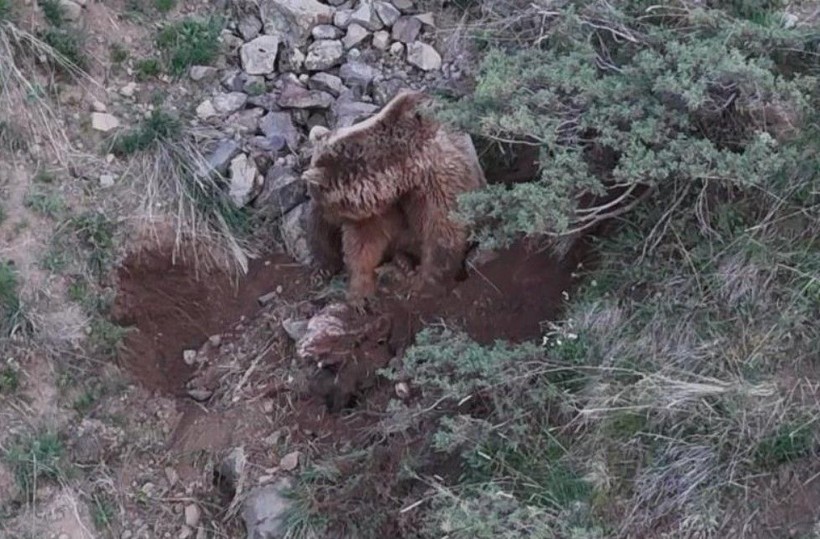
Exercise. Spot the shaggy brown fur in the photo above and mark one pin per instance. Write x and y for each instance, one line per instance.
(390, 183)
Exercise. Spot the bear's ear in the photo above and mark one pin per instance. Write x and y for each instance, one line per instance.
(318, 133)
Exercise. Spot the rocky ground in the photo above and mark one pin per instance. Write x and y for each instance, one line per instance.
(224, 385)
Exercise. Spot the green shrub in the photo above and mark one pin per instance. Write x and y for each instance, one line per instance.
(189, 42)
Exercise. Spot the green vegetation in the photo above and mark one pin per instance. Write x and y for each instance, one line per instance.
(147, 68)
(46, 203)
(155, 129)
(164, 6)
(11, 316)
(68, 44)
(53, 12)
(9, 380)
(189, 42)
(118, 53)
(669, 387)
(96, 235)
(34, 458)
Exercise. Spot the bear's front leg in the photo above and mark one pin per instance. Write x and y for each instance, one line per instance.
(364, 244)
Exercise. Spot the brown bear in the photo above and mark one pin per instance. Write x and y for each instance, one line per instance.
(390, 184)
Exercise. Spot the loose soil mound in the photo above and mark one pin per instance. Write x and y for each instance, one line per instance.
(172, 307)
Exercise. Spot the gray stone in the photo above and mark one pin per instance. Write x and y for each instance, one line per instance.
(71, 11)
(404, 5)
(423, 56)
(387, 12)
(249, 27)
(406, 29)
(283, 191)
(292, 59)
(106, 180)
(294, 234)
(259, 56)
(245, 180)
(342, 18)
(381, 40)
(324, 54)
(427, 19)
(355, 35)
(280, 124)
(365, 15)
(296, 97)
(222, 155)
(325, 82)
(205, 110)
(358, 74)
(268, 144)
(326, 31)
(201, 73)
(397, 48)
(229, 102)
(385, 90)
(296, 329)
(347, 112)
(103, 121)
(264, 510)
(245, 121)
(230, 41)
(294, 19)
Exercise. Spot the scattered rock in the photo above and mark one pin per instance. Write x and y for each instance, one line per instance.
(292, 60)
(189, 357)
(259, 56)
(355, 35)
(324, 54)
(326, 31)
(397, 48)
(388, 13)
(87, 448)
(321, 331)
(347, 112)
(427, 19)
(402, 390)
(192, 515)
(201, 73)
(325, 82)
(171, 476)
(264, 299)
(365, 15)
(404, 5)
(222, 155)
(283, 191)
(230, 42)
(358, 74)
(129, 89)
(245, 180)
(296, 97)
(280, 124)
(342, 18)
(215, 340)
(294, 19)
(294, 235)
(200, 395)
(381, 40)
(97, 105)
(290, 461)
(385, 90)
(245, 121)
(423, 56)
(103, 121)
(295, 329)
(229, 102)
(106, 180)
(264, 509)
(206, 110)
(71, 11)
(249, 27)
(406, 29)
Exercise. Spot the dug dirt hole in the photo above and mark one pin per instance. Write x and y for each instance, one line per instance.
(171, 306)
